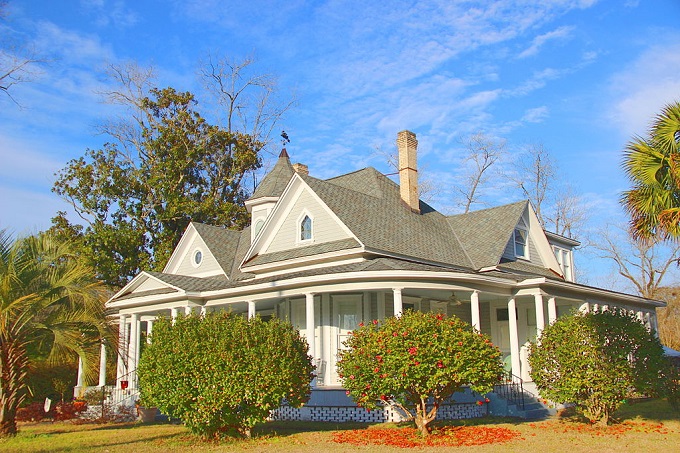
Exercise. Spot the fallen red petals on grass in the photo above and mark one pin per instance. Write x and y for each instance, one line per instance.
(450, 436)
(611, 430)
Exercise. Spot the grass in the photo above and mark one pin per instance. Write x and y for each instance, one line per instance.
(647, 426)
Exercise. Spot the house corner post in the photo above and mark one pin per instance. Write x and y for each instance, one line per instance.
(552, 310)
(251, 309)
(102, 364)
(149, 330)
(398, 303)
(474, 307)
(122, 348)
(132, 350)
(514, 338)
(540, 316)
(310, 328)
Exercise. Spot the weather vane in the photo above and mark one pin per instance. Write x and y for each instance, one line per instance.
(284, 138)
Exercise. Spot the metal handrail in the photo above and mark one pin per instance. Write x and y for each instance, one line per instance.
(512, 389)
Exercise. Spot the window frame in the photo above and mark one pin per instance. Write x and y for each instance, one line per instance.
(299, 231)
(525, 245)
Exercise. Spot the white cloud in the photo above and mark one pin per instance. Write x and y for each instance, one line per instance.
(648, 83)
(536, 115)
(538, 42)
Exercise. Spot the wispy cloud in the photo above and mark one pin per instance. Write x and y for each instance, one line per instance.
(645, 86)
(539, 41)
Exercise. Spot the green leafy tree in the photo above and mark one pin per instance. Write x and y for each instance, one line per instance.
(596, 360)
(51, 309)
(652, 164)
(167, 168)
(416, 362)
(222, 374)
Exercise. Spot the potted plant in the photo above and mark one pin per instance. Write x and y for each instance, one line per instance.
(146, 413)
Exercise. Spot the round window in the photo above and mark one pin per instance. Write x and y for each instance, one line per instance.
(198, 257)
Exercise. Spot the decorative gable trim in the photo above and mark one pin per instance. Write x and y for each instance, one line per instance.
(543, 247)
(281, 211)
(138, 281)
(187, 249)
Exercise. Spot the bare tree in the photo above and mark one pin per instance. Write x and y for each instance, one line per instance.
(250, 102)
(535, 177)
(482, 153)
(643, 264)
(567, 214)
(18, 64)
(669, 317)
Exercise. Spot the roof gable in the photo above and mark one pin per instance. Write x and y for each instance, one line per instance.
(217, 246)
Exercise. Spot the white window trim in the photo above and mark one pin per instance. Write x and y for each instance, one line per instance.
(525, 256)
(298, 229)
(254, 232)
(196, 251)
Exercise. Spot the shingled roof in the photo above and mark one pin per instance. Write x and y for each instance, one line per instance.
(276, 180)
(485, 233)
(221, 242)
(374, 211)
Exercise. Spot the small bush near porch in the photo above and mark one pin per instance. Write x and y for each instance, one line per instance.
(416, 362)
(222, 374)
(596, 360)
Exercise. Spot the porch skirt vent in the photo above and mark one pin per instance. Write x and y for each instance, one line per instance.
(340, 414)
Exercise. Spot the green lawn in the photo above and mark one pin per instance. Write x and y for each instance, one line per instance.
(648, 427)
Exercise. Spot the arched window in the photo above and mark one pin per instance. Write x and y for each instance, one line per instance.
(258, 226)
(306, 229)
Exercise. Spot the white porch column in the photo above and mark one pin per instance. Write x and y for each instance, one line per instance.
(122, 348)
(552, 310)
(514, 337)
(474, 303)
(188, 310)
(132, 349)
(398, 303)
(381, 306)
(81, 373)
(149, 330)
(204, 311)
(309, 319)
(584, 308)
(540, 317)
(173, 314)
(251, 309)
(102, 364)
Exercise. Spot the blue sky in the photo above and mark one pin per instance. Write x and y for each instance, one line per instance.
(580, 77)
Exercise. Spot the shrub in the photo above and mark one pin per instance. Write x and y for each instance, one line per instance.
(416, 362)
(596, 360)
(221, 374)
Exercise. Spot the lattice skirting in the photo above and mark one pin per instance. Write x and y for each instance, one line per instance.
(355, 414)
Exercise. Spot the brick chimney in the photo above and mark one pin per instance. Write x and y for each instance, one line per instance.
(408, 172)
(301, 168)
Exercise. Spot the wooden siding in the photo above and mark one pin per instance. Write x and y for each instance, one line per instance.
(150, 284)
(324, 227)
(209, 265)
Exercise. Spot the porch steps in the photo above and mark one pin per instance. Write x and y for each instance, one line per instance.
(532, 409)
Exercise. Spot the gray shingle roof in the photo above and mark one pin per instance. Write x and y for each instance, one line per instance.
(221, 242)
(485, 233)
(310, 250)
(382, 221)
(273, 184)
(193, 283)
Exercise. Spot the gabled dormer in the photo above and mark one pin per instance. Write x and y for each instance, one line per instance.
(563, 248)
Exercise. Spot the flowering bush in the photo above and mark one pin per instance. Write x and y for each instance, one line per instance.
(416, 362)
(596, 360)
(221, 374)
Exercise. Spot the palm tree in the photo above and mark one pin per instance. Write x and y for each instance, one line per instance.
(51, 307)
(653, 166)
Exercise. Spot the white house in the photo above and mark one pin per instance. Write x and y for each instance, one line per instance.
(329, 254)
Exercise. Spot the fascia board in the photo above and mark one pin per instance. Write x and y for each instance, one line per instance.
(171, 266)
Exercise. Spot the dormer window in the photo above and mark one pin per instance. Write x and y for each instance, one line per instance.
(564, 260)
(197, 258)
(258, 226)
(306, 229)
(521, 243)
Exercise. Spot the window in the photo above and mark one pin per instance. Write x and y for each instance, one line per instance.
(198, 258)
(521, 240)
(564, 260)
(258, 226)
(306, 229)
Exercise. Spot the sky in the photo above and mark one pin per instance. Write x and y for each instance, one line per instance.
(579, 77)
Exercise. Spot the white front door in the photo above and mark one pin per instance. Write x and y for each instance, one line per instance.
(347, 314)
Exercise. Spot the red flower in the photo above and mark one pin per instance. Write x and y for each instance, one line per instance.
(376, 369)
(487, 400)
(460, 343)
(479, 403)
(413, 351)
(440, 364)
(375, 322)
(351, 376)
(394, 334)
(361, 324)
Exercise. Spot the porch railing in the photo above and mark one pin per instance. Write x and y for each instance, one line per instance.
(511, 388)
